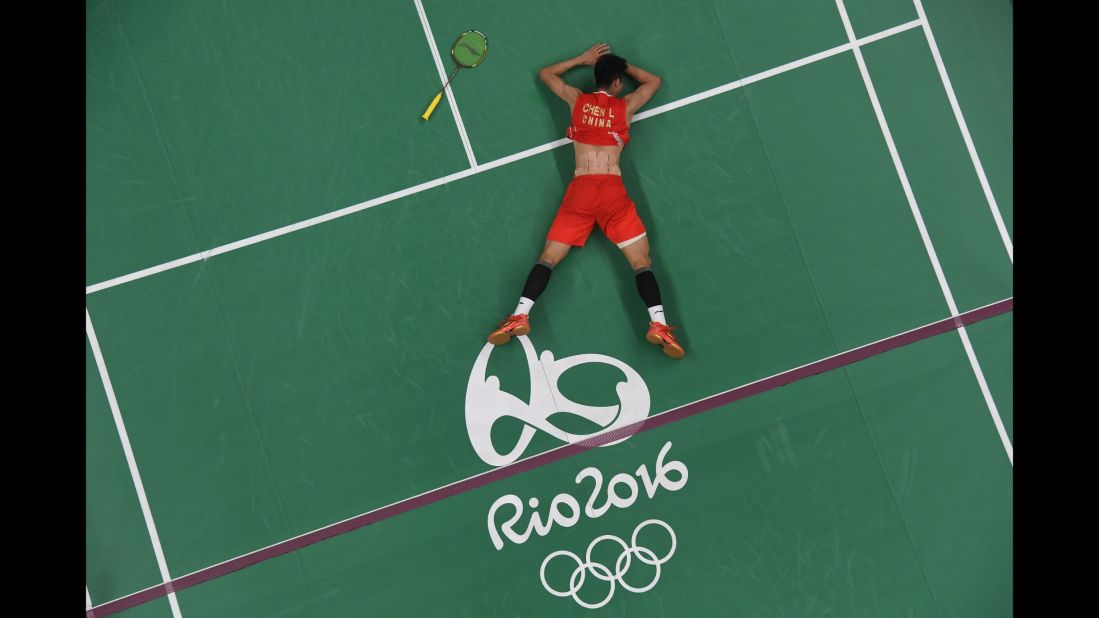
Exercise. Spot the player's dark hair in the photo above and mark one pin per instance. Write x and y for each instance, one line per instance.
(609, 68)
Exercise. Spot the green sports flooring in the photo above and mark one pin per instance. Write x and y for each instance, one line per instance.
(310, 377)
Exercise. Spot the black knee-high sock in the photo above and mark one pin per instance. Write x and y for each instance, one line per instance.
(537, 280)
(650, 293)
(647, 287)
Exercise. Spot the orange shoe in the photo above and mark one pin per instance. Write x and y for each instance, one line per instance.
(661, 335)
(513, 325)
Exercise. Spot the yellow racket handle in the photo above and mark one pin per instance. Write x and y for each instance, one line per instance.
(431, 108)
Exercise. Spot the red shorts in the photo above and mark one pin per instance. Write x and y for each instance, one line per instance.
(596, 199)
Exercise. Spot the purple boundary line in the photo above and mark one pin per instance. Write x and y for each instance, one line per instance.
(547, 457)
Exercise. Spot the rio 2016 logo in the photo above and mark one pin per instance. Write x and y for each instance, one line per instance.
(486, 404)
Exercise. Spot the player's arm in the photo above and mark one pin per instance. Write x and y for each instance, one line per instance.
(551, 75)
(648, 85)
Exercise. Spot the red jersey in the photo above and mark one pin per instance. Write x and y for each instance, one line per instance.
(599, 119)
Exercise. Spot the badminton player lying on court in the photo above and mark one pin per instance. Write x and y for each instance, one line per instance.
(600, 129)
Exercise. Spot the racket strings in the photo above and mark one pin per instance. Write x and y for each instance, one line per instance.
(470, 49)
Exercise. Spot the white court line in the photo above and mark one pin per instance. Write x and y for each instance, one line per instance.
(923, 233)
(987, 395)
(424, 186)
(282, 231)
(443, 74)
(789, 66)
(132, 463)
(965, 134)
(87, 599)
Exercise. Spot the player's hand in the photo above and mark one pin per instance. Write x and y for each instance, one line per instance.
(589, 57)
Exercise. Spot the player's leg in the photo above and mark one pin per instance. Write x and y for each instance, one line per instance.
(552, 254)
(637, 254)
(623, 226)
(518, 323)
(570, 228)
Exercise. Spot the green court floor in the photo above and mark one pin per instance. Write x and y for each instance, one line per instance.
(315, 374)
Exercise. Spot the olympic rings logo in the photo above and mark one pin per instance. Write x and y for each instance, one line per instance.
(601, 572)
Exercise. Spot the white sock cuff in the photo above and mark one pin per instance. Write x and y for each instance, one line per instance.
(524, 306)
(656, 314)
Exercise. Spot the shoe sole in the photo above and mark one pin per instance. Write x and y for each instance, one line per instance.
(674, 350)
(502, 338)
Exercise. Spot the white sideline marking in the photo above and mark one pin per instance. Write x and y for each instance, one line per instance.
(134, 474)
(442, 80)
(923, 233)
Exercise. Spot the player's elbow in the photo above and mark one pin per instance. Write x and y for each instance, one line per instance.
(544, 75)
(656, 82)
